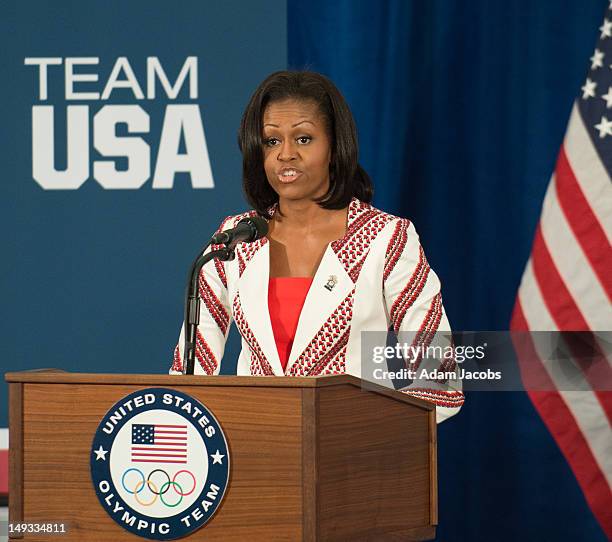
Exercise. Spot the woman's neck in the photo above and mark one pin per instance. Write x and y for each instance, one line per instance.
(305, 216)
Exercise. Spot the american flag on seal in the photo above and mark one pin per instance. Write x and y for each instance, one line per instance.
(567, 283)
(159, 443)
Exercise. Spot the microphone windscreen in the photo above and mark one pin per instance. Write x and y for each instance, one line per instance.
(260, 225)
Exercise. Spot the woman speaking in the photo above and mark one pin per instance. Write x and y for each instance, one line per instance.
(331, 265)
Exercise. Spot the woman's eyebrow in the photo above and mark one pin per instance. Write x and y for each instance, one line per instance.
(302, 122)
(293, 126)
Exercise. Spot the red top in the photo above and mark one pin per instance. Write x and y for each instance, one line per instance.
(286, 296)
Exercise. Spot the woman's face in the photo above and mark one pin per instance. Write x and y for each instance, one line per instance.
(297, 150)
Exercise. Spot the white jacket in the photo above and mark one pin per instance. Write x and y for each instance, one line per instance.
(374, 278)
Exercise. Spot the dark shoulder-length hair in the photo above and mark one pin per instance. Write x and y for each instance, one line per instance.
(347, 178)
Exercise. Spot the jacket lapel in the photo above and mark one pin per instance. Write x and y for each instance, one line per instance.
(253, 291)
(330, 286)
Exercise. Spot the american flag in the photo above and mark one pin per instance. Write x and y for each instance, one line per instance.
(567, 283)
(159, 443)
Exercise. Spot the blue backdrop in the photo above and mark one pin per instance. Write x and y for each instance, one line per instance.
(461, 109)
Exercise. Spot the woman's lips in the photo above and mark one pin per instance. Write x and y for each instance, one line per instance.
(288, 179)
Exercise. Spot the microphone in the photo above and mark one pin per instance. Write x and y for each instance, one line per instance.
(246, 231)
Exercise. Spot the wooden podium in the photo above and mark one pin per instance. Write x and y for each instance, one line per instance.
(320, 458)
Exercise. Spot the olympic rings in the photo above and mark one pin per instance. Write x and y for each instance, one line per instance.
(130, 470)
(152, 473)
(155, 494)
(192, 477)
(180, 492)
(153, 488)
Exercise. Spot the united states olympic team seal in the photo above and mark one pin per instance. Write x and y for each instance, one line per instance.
(160, 463)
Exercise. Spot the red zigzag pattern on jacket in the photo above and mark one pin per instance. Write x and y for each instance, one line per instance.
(259, 364)
(364, 225)
(450, 399)
(246, 251)
(220, 271)
(206, 358)
(427, 332)
(323, 355)
(220, 268)
(177, 364)
(396, 246)
(213, 304)
(411, 291)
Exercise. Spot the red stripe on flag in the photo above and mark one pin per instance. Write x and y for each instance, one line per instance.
(175, 426)
(177, 449)
(142, 454)
(559, 301)
(563, 308)
(584, 223)
(567, 434)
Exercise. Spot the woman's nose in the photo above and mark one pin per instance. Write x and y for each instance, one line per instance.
(287, 151)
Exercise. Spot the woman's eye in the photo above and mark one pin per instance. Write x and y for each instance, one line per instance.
(271, 142)
(303, 140)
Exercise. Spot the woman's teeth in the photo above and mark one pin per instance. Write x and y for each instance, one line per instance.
(289, 175)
